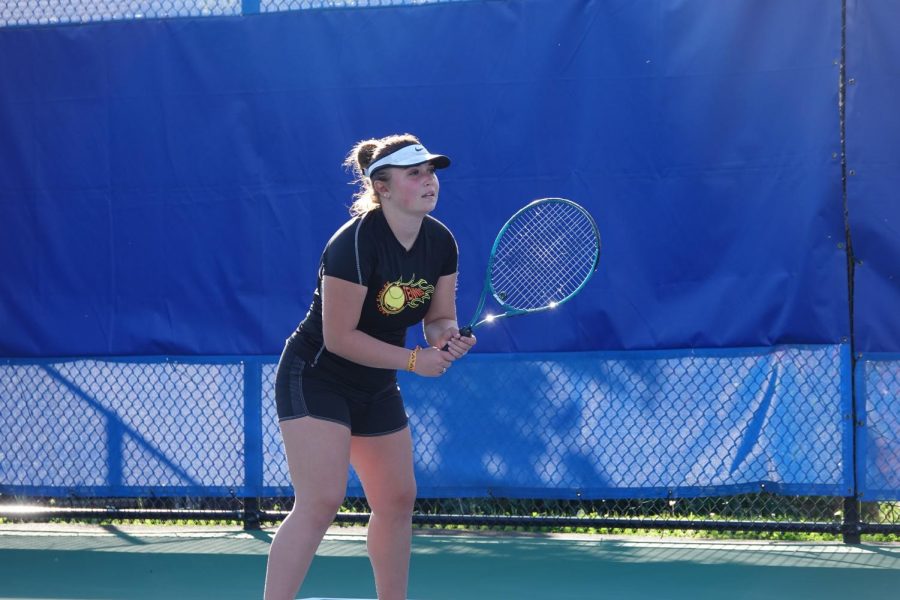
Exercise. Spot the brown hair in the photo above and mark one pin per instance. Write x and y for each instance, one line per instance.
(363, 154)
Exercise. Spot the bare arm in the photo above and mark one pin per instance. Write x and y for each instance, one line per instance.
(342, 303)
(441, 315)
(441, 327)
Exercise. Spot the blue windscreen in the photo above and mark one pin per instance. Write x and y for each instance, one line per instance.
(167, 186)
(873, 180)
(556, 425)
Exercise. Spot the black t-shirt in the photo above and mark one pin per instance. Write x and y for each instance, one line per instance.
(401, 284)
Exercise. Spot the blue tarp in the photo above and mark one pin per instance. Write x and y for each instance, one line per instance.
(166, 186)
(873, 181)
(559, 425)
(878, 443)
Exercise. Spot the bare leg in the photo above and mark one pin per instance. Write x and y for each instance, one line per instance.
(318, 455)
(385, 467)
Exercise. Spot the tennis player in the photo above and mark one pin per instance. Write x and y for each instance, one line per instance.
(388, 268)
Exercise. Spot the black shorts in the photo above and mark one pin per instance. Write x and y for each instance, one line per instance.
(302, 390)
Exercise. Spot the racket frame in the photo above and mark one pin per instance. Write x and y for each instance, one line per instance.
(511, 311)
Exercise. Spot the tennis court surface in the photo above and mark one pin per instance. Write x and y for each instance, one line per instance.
(94, 562)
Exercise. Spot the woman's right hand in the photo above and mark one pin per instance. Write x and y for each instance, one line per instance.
(432, 362)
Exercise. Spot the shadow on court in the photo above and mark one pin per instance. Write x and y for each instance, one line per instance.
(49, 562)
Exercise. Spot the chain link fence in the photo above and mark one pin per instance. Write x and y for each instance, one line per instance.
(579, 442)
(48, 12)
(776, 440)
(878, 393)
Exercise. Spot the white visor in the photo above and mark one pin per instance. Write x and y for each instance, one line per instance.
(408, 156)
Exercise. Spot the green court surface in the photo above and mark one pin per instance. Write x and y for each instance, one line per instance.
(89, 562)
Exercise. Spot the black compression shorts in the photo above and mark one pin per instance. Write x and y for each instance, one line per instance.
(302, 390)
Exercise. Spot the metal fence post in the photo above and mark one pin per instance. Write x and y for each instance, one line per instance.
(253, 459)
(850, 526)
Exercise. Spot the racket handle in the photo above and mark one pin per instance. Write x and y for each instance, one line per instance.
(466, 331)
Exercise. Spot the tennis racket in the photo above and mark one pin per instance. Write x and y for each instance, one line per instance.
(544, 255)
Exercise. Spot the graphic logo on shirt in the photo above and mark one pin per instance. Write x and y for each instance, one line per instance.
(397, 295)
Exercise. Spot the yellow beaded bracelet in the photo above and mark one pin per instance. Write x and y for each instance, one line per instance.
(411, 363)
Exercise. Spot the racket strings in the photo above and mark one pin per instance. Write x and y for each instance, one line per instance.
(544, 256)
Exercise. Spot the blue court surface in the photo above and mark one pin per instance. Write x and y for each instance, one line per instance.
(67, 562)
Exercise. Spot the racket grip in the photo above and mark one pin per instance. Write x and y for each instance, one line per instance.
(466, 331)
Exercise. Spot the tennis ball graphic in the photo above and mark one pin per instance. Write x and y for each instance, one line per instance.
(394, 298)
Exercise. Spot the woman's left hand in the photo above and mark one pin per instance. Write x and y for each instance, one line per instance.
(457, 345)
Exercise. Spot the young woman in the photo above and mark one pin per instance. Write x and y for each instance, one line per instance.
(391, 266)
